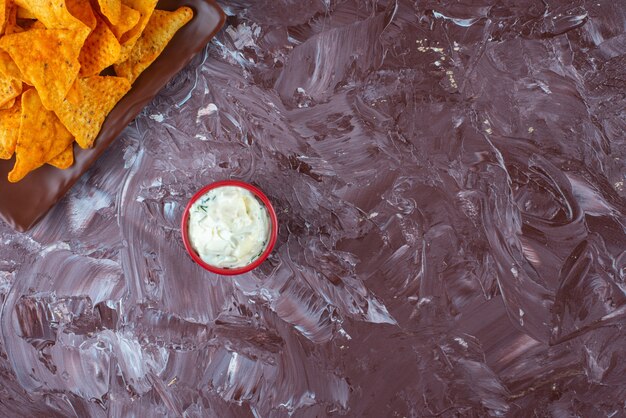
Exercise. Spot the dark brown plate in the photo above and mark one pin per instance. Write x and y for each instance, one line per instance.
(23, 204)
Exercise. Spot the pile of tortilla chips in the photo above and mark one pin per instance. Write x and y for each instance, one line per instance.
(53, 54)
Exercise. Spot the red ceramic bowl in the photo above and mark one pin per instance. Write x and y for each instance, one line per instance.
(273, 228)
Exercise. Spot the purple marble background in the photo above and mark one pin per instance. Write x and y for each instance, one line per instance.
(449, 178)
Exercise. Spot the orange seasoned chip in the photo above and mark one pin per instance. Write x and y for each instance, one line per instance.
(87, 105)
(128, 20)
(101, 50)
(51, 64)
(52, 13)
(10, 88)
(8, 67)
(158, 32)
(3, 15)
(9, 128)
(111, 9)
(41, 137)
(128, 40)
(8, 104)
(65, 159)
(22, 13)
(82, 11)
(11, 25)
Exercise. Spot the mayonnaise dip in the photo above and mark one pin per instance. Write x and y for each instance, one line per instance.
(228, 227)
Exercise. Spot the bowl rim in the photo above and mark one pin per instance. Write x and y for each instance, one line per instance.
(273, 228)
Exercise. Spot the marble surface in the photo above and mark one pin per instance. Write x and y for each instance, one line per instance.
(449, 181)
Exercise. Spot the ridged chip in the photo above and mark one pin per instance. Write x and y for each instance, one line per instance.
(41, 136)
(10, 88)
(51, 64)
(8, 104)
(128, 20)
(111, 9)
(82, 11)
(53, 14)
(128, 40)
(9, 69)
(101, 50)
(23, 13)
(160, 29)
(3, 15)
(65, 159)
(11, 25)
(87, 105)
(9, 128)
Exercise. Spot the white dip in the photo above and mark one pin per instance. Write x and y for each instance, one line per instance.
(228, 227)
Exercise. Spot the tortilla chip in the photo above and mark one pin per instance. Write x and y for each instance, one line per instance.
(101, 50)
(52, 64)
(87, 105)
(3, 15)
(81, 10)
(8, 104)
(65, 159)
(111, 9)
(10, 88)
(9, 69)
(9, 128)
(128, 40)
(11, 25)
(158, 32)
(128, 19)
(41, 136)
(52, 13)
(22, 13)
